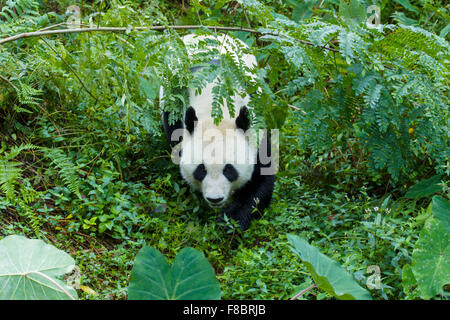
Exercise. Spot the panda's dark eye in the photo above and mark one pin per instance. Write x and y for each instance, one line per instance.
(200, 172)
(230, 173)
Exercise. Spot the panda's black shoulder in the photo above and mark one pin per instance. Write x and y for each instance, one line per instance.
(258, 184)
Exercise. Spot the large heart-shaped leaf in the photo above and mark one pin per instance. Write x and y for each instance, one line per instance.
(327, 273)
(424, 188)
(28, 269)
(431, 259)
(191, 277)
(441, 211)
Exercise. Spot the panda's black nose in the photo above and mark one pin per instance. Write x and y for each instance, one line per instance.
(214, 200)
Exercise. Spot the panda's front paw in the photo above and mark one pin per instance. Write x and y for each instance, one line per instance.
(230, 218)
(245, 217)
(232, 211)
(229, 224)
(242, 214)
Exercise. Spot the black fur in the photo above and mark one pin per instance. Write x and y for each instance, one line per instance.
(230, 173)
(169, 129)
(190, 119)
(189, 123)
(243, 121)
(200, 172)
(255, 194)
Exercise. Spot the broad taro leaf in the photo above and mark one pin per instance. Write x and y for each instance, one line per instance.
(191, 277)
(28, 269)
(327, 273)
(441, 211)
(424, 188)
(431, 259)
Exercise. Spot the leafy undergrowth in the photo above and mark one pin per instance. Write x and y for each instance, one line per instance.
(357, 231)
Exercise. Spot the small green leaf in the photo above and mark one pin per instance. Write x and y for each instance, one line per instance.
(424, 188)
(353, 13)
(431, 259)
(445, 31)
(424, 216)
(148, 88)
(303, 10)
(191, 277)
(408, 279)
(407, 5)
(403, 19)
(385, 202)
(327, 273)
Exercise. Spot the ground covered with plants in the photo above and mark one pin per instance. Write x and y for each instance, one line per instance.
(362, 110)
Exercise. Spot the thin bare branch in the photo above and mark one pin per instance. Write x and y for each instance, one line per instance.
(9, 82)
(303, 291)
(123, 29)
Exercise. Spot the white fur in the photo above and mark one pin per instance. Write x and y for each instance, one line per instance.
(214, 147)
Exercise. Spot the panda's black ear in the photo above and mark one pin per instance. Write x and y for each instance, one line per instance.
(189, 119)
(243, 121)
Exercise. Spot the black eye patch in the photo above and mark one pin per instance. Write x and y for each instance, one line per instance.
(200, 172)
(230, 173)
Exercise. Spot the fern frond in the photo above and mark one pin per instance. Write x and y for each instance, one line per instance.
(10, 173)
(19, 9)
(66, 169)
(28, 213)
(28, 95)
(16, 150)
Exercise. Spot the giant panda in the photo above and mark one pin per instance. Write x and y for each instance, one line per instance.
(221, 161)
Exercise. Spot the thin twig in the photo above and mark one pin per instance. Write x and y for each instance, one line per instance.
(247, 19)
(112, 29)
(303, 291)
(156, 28)
(426, 21)
(9, 82)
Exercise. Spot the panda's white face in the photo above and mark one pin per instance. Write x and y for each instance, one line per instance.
(217, 182)
(217, 160)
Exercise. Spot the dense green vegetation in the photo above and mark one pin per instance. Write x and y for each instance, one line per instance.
(364, 141)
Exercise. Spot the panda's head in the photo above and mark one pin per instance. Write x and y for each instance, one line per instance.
(217, 159)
